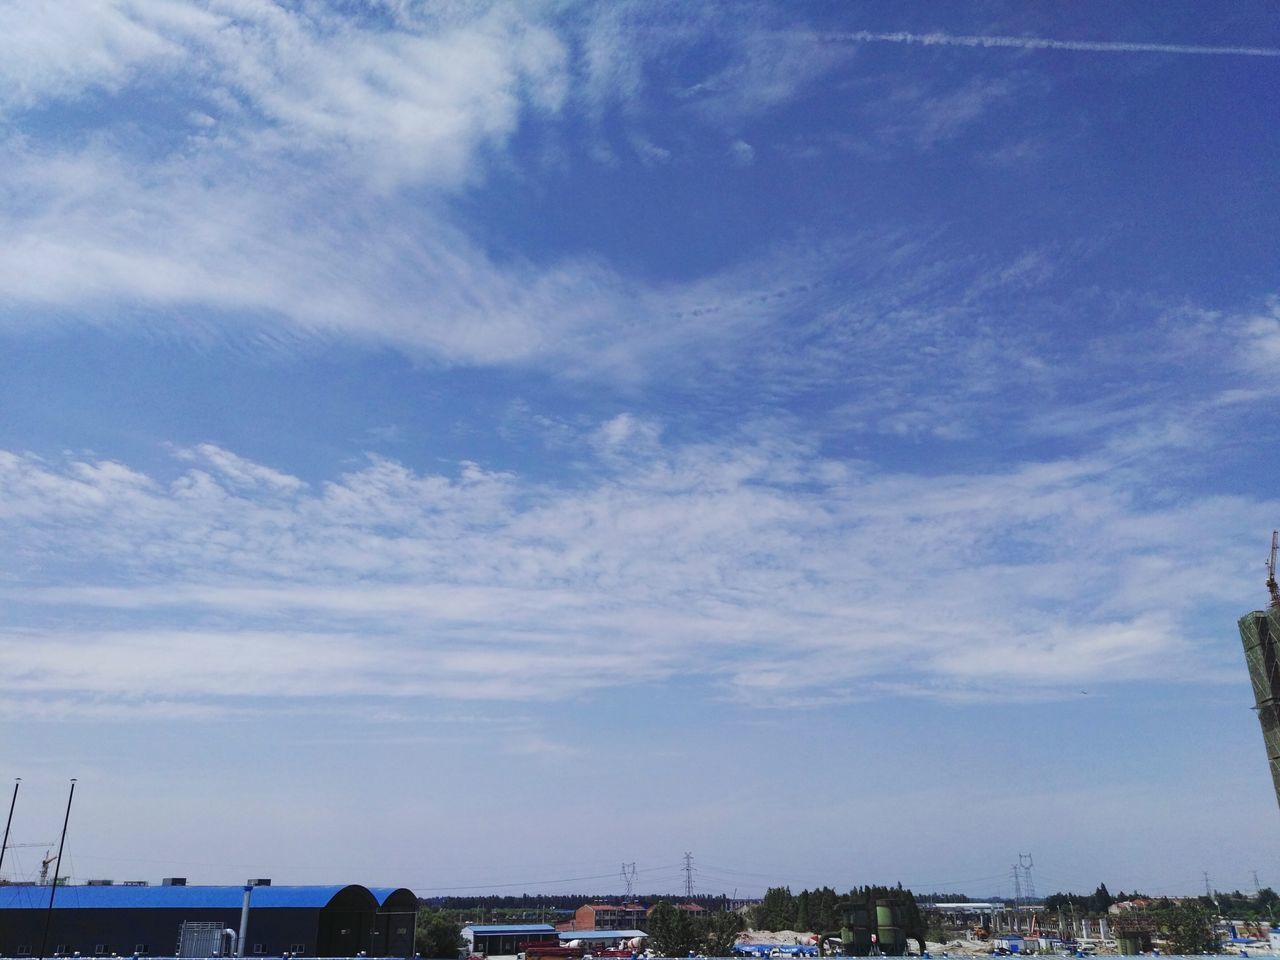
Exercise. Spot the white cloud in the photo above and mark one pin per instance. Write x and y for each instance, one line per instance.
(62, 50)
(1260, 335)
(197, 247)
(759, 66)
(628, 435)
(279, 211)
(415, 101)
(756, 568)
(1047, 43)
(770, 67)
(238, 470)
(742, 153)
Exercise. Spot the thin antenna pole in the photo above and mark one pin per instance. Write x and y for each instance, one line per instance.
(1272, 587)
(9, 822)
(57, 870)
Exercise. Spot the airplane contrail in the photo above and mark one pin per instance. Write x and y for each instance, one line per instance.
(1042, 43)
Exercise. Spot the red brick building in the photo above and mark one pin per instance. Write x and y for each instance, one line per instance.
(606, 916)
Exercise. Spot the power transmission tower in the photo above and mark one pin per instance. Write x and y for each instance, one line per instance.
(629, 877)
(688, 875)
(1208, 890)
(1030, 888)
(1017, 891)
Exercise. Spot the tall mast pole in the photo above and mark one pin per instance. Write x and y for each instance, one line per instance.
(9, 822)
(1272, 587)
(57, 870)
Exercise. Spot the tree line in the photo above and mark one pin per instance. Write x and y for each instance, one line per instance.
(532, 903)
(1239, 906)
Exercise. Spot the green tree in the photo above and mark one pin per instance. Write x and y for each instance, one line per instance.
(721, 933)
(776, 910)
(672, 932)
(1101, 900)
(437, 934)
(826, 913)
(1189, 929)
(913, 924)
(804, 920)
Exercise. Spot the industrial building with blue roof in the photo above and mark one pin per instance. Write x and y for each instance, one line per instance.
(101, 920)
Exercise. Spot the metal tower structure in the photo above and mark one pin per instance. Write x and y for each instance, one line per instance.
(1029, 885)
(688, 875)
(1260, 634)
(629, 878)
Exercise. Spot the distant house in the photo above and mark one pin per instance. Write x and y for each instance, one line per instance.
(1124, 906)
(606, 916)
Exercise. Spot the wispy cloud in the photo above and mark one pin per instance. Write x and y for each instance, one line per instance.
(1043, 43)
(416, 101)
(756, 567)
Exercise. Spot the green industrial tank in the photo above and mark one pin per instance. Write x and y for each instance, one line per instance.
(886, 913)
(889, 929)
(857, 915)
(1129, 944)
(860, 945)
(857, 919)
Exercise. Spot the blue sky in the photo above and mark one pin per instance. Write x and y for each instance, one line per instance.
(470, 444)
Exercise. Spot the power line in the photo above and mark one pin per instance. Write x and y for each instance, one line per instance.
(537, 883)
(517, 883)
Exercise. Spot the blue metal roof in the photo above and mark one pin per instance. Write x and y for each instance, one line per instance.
(503, 928)
(381, 894)
(189, 898)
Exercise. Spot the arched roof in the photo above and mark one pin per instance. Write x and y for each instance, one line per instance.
(395, 898)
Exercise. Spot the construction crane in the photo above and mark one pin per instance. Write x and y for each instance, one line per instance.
(1272, 587)
(44, 869)
(18, 846)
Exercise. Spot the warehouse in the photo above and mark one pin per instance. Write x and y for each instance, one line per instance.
(327, 921)
(506, 939)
